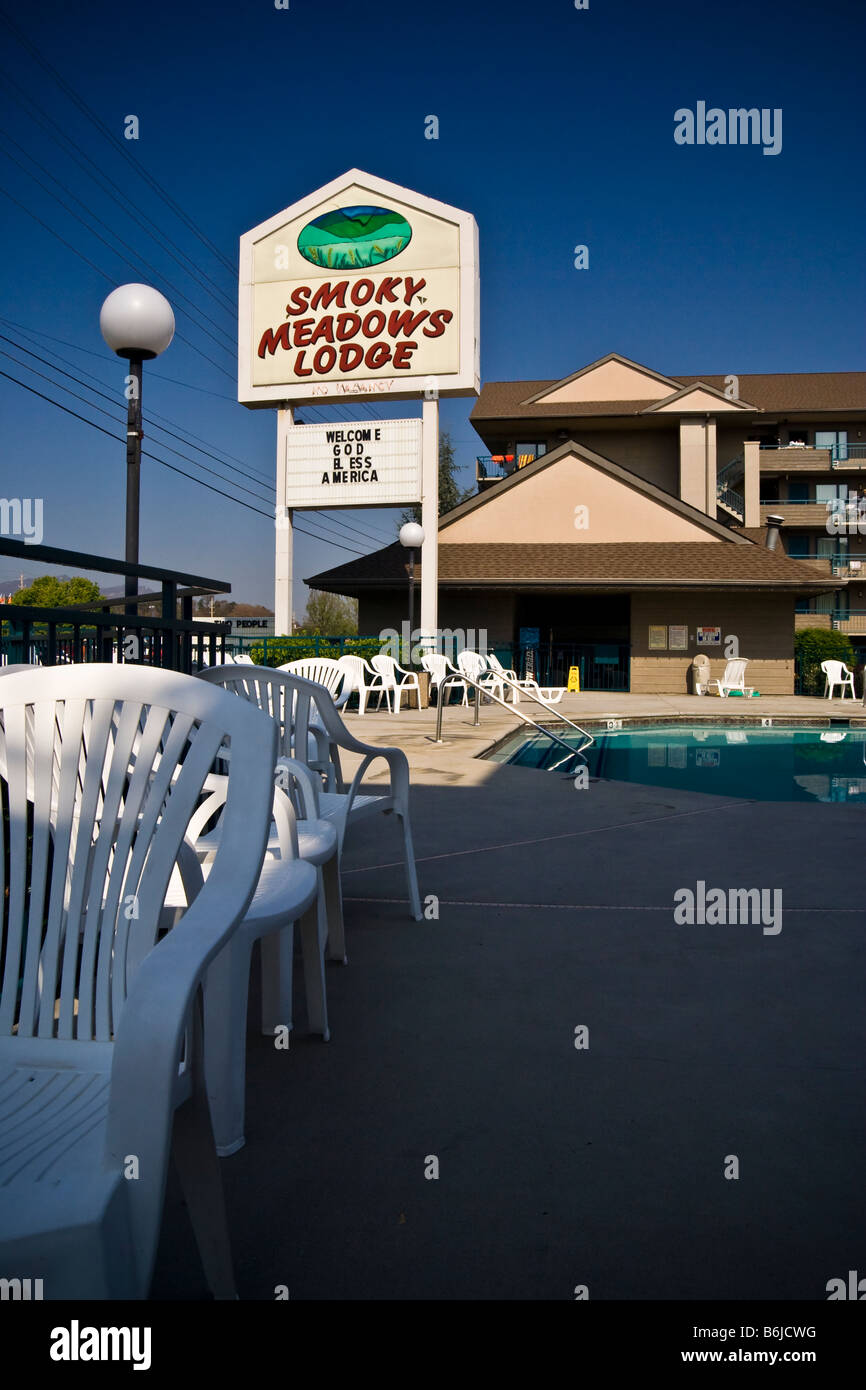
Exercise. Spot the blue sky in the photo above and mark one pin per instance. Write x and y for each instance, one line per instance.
(555, 129)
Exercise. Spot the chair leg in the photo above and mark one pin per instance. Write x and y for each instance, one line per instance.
(225, 1038)
(411, 871)
(333, 899)
(198, 1168)
(313, 947)
(277, 950)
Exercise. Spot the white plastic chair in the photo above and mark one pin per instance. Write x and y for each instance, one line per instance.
(286, 892)
(299, 707)
(389, 671)
(324, 670)
(733, 679)
(439, 667)
(837, 673)
(100, 1030)
(474, 666)
(359, 679)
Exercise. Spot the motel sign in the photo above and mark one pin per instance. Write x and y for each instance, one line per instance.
(364, 289)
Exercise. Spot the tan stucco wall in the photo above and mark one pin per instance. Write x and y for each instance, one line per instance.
(612, 382)
(653, 454)
(698, 463)
(700, 400)
(540, 509)
(762, 623)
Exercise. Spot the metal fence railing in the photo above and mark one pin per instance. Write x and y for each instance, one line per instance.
(95, 632)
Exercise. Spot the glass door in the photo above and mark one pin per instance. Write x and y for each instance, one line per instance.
(834, 440)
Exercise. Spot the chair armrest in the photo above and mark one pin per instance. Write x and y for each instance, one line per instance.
(308, 788)
(398, 765)
(286, 823)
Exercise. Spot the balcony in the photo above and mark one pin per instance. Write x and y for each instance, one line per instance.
(793, 458)
(492, 468)
(853, 622)
(849, 566)
(808, 512)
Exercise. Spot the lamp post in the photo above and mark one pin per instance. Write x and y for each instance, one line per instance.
(412, 538)
(137, 322)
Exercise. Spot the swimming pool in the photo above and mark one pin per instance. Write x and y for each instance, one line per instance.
(783, 763)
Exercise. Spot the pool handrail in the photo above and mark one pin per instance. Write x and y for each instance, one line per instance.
(511, 709)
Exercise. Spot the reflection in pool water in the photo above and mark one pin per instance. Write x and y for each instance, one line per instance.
(778, 764)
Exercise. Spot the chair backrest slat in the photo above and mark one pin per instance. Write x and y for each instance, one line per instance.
(324, 670)
(102, 768)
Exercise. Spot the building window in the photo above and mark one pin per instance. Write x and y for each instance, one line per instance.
(798, 546)
(527, 453)
(830, 492)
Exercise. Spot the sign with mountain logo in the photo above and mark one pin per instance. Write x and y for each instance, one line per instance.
(363, 288)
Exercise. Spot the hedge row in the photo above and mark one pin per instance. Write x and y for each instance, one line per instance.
(278, 650)
(812, 645)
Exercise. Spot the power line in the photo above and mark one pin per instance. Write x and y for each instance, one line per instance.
(111, 280)
(104, 357)
(336, 522)
(107, 184)
(152, 415)
(178, 294)
(112, 139)
(315, 536)
(58, 386)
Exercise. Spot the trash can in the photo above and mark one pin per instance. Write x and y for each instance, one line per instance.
(424, 683)
(700, 674)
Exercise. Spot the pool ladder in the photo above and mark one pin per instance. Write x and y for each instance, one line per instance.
(512, 709)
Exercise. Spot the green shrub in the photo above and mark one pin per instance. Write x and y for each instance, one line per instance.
(812, 645)
(278, 650)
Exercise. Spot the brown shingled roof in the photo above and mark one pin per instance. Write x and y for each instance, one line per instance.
(793, 391)
(617, 565)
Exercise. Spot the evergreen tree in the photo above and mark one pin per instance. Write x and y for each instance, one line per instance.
(450, 495)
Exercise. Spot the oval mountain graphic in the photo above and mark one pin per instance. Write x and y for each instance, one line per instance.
(354, 238)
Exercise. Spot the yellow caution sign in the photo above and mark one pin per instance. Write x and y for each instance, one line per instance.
(574, 678)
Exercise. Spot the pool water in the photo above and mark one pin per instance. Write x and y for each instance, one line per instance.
(778, 764)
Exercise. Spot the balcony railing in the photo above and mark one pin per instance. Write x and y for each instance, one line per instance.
(733, 500)
(848, 456)
(493, 466)
(496, 466)
(838, 455)
(849, 566)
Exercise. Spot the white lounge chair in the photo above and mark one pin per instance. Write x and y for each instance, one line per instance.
(389, 671)
(548, 694)
(100, 1031)
(837, 673)
(733, 679)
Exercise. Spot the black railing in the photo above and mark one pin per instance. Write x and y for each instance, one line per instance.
(602, 665)
(92, 632)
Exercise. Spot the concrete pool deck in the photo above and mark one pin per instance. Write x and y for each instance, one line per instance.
(454, 1038)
